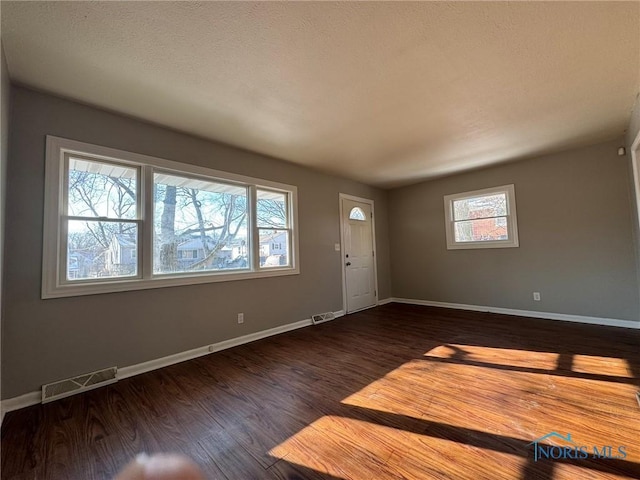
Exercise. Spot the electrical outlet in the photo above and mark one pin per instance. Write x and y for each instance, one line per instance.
(337, 247)
(241, 318)
(536, 296)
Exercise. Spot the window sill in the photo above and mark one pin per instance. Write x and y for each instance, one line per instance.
(131, 284)
(481, 245)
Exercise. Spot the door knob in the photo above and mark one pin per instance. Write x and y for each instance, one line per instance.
(348, 263)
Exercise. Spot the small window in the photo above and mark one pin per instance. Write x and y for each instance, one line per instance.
(481, 219)
(274, 231)
(102, 216)
(357, 213)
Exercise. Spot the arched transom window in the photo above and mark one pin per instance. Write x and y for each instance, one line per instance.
(356, 213)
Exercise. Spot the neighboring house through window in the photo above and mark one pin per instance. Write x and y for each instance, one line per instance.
(482, 218)
(121, 221)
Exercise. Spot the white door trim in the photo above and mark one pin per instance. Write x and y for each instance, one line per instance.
(635, 160)
(635, 153)
(368, 201)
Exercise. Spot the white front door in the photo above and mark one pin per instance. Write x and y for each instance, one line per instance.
(358, 255)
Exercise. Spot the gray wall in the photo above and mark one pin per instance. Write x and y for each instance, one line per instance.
(46, 340)
(575, 230)
(5, 88)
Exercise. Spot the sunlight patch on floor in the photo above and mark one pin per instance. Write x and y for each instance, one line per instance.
(563, 471)
(615, 367)
(349, 448)
(496, 356)
(402, 391)
(521, 405)
(458, 417)
(457, 395)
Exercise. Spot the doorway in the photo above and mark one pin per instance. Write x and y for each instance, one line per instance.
(359, 278)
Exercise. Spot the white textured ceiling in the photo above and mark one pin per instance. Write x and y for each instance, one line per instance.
(385, 93)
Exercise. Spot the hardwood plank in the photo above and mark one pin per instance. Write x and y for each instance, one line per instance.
(284, 470)
(231, 458)
(397, 391)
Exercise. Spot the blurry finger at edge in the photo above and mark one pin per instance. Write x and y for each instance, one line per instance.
(161, 467)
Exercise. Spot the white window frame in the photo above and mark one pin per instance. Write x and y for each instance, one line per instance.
(54, 282)
(512, 222)
(288, 228)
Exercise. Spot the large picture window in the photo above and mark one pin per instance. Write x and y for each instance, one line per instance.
(119, 221)
(199, 225)
(482, 218)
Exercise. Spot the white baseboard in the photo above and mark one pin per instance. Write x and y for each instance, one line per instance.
(33, 398)
(385, 301)
(130, 371)
(26, 400)
(609, 322)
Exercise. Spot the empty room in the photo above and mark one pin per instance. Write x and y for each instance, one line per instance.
(320, 240)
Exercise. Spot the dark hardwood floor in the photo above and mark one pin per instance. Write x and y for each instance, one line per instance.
(393, 392)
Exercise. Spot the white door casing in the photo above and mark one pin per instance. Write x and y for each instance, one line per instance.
(358, 253)
(635, 166)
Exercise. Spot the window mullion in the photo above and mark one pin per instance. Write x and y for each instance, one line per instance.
(290, 247)
(101, 219)
(64, 249)
(293, 251)
(63, 222)
(254, 237)
(145, 246)
(479, 218)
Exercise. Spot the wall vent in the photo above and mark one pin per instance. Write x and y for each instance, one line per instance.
(81, 383)
(322, 317)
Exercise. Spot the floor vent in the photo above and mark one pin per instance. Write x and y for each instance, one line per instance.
(322, 317)
(81, 383)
